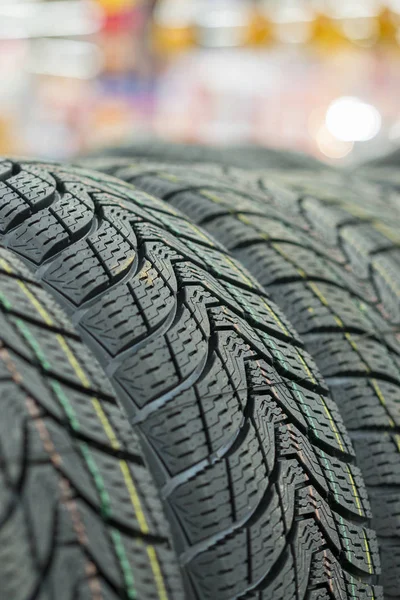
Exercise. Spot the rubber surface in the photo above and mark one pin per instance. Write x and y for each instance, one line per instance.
(362, 199)
(255, 467)
(80, 517)
(376, 197)
(386, 176)
(390, 159)
(335, 271)
(384, 169)
(240, 156)
(350, 202)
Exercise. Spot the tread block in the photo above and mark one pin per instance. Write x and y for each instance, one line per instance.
(49, 231)
(239, 479)
(205, 333)
(78, 506)
(132, 311)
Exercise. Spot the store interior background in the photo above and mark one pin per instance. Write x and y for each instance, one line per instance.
(319, 76)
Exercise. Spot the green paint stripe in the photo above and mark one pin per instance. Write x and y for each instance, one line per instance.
(33, 343)
(306, 409)
(91, 464)
(74, 423)
(66, 405)
(346, 541)
(5, 302)
(353, 591)
(280, 356)
(98, 480)
(124, 562)
(328, 471)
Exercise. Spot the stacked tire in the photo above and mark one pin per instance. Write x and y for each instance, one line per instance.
(167, 430)
(326, 248)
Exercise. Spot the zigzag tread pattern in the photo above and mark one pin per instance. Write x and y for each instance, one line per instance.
(252, 458)
(331, 264)
(80, 515)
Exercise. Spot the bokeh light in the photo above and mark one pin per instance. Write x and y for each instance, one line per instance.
(320, 76)
(350, 120)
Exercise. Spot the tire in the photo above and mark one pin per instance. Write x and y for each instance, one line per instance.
(391, 159)
(335, 271)
(372, 197)
(80, 514)
(239, 156)
(255, 468)
(386, 176)
(363, 199)
(383, 169)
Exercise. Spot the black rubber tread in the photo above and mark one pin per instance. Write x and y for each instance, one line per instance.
(337, 277)
(360, 197)
(363, 197)
(249, 156)
(360, 214)
(386, 176)
(255, 467)
(80, 515)
(390, 159)
(384, 169)
(288, 165)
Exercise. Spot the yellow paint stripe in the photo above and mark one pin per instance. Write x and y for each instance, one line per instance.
(245, 220)
(134, 496)
(113, 440)
(73, 362)
(349, 238)
(386, 231)
(61, 340)
(387, 279)
(211, 197)
(39, 307)
(355, 211)
(248, 281)
(242, 218)
(276, 318)
(367, 550)
(199, 233)
(381, 399)
(278, 248)
(168, 177)
(355, 347)
(158, 577)
(397, 441)
(135, 500)
(333, 425)
(130, 486)
(242, 275)
(339, 321)
(306, 367)
(355, 491)
(106, 424)
(5, 265)
(318, 293)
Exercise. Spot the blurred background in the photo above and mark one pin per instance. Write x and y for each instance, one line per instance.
(320, 76)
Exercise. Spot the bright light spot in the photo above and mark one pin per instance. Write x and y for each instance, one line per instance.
(330, 146)
(350, 120)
